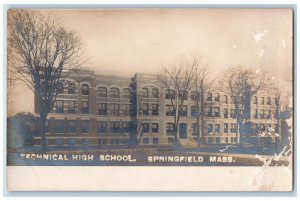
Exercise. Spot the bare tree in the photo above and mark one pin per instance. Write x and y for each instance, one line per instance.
(142, 119)
(177, 80)
(280, 104)
(202, 84)
(41, 54)
(242, 84)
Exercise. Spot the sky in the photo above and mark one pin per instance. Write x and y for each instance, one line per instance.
(126, 41)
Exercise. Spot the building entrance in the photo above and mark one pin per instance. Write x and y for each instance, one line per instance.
(182, 131)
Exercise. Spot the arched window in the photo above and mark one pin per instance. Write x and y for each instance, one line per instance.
(217, 97)
(85, 89)
(145, 92)
(170, 94)
(154, 93)
(71, 88)
(209, 96)
(126, 93)
(60, 88)
(225, 99)
(102, 92)
(114, 92)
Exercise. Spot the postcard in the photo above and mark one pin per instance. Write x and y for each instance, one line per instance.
(150, 99)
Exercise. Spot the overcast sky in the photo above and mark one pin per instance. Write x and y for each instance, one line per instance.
(141, 40)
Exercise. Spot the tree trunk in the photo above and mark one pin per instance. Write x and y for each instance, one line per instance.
(176, 133)
(237, 113)
(198, 121)
(237, 131)
(202, 117)
(175, 130)
(203, 130)
(277, 139)
(176, 121)
(241, 134)
(43, 132)
(198, 130)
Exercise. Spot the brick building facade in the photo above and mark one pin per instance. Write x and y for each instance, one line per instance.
(96, 110)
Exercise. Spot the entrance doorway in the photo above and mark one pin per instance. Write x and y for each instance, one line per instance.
(182, 131)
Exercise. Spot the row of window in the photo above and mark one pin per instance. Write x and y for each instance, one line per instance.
(101, 91)
(149, 109)
(264, 114)
(146, 140)
(86, 141)
(216, 128)
(146, 127)
(170, 128)
(153, 109)
(265, 127)
(215, 112)
(101, 141)
(101, 109)
(210, 140)
(114, 92)
(118, 127)
(262, 100)
(84, 127)
(59, 106)
(103, 127)
(262, 140)
(146, 93)
(170, 94)
(126, 127)
(114, 109)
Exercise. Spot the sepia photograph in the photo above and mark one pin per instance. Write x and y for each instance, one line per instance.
(154, 88)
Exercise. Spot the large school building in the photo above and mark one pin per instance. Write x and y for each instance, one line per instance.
(102, 110)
